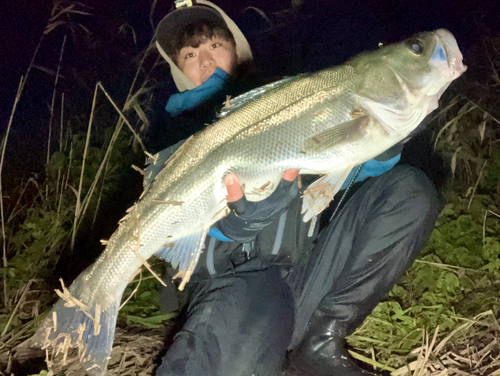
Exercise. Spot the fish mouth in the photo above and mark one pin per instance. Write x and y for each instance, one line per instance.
(454, 56)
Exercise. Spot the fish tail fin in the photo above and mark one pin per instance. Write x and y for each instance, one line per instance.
(73, 325)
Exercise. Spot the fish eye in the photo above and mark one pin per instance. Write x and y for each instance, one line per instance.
(415, 46)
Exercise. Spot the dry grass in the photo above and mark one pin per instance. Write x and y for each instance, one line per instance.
(471, 349)
(5, 138)
(134, 353)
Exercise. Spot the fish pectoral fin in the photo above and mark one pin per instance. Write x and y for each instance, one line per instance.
(398, 122)
(348, 131)
(184, 252)
(318, 194)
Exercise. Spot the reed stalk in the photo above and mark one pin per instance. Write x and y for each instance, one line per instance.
(54, 93)
(84, 158)
(20, 88)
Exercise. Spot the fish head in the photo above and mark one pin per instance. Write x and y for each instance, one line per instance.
(427, 62)
(400, 84)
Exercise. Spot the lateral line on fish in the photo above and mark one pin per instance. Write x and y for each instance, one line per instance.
(317, 113)
(167, 202)
(257, 128)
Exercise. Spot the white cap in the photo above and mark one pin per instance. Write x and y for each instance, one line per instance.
(186, 13)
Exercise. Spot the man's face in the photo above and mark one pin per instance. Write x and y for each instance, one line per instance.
(199, 63)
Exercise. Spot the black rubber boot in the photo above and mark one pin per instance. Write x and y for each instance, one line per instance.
(322, 351)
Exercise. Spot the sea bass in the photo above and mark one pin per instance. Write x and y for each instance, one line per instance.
(322, 123)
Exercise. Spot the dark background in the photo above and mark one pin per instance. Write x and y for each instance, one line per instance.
(322, 33)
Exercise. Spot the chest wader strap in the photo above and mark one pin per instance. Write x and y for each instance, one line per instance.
(279, 233)
(210, 256)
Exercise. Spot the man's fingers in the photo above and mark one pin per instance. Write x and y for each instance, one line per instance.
(290, 175)
(234, 192)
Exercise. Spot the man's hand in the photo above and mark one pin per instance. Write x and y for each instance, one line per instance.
(248, 218)
(234, 192)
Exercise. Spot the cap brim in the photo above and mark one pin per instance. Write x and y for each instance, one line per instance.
(180, 18)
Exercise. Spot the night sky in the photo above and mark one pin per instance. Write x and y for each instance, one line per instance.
(322, 34)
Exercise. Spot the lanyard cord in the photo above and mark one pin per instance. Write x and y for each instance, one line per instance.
(353, 180)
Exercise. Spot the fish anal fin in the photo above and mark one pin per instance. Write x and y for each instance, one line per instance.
(318, 194)
(184, 252)
(343, 132)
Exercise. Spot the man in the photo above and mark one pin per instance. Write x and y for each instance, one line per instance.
(268, 282)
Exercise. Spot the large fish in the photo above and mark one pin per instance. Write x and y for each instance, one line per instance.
(321, 123)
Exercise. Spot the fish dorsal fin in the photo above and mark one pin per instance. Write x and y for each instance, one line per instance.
(338, 134)
(156, 163)
(252, 95)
